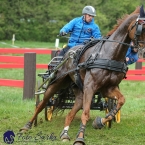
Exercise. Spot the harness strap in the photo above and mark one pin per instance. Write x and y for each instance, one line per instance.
(105, 64)
(63, 132)
(78, 80)
(82, 129)
(112, 113)
(80, 52)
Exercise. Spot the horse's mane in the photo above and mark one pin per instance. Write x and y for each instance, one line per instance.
(119, 21)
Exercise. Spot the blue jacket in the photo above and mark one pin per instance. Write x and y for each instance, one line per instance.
(81, 31)
(133, 57)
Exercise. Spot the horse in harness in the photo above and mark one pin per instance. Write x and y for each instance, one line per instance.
(97, 66)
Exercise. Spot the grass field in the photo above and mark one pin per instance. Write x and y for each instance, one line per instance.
(15, 112)
(27, 44)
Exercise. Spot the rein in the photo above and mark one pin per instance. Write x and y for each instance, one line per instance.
(102, 39)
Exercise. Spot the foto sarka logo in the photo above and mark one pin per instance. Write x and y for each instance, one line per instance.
(8, 137)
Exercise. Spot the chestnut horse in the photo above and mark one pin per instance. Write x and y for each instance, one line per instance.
(100, 68)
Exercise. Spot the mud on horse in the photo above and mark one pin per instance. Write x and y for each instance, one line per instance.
(100, 68)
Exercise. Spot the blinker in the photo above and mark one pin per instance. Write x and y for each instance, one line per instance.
(139, 30)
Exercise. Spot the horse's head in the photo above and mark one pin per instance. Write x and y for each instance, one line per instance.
(137, 29)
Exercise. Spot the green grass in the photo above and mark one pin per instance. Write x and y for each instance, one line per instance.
(15, 112)
(28, 44)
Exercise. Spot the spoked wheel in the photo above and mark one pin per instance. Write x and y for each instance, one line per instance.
(48, 112)
(49, 109)
(37, 100)
(110, 103)
(118, 116)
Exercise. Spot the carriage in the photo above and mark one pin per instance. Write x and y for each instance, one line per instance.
(98, 102)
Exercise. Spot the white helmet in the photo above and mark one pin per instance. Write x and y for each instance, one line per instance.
(89, 10)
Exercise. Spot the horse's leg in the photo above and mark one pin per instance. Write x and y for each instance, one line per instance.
(69, 118)
(52, 89)
(114, 93)
(89, 90)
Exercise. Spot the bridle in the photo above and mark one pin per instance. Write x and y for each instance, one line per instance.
(139, 29)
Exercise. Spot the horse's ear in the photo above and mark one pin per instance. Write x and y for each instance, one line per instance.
(142, 13)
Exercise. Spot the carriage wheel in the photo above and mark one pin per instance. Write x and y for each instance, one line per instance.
(49, 111)
(106, 112)
(37, 100)
(118, 116)
(110, 103)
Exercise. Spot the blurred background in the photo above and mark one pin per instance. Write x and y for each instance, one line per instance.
(41, 20)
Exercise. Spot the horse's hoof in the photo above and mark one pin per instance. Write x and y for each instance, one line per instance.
(23, 130)
(64, 136)
(79, 141)
(26, 127)
(65, 140)
(97, 123)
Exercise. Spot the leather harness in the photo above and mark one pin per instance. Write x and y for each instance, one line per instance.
(107, 64)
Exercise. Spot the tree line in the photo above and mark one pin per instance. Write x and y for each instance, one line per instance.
(41, 20)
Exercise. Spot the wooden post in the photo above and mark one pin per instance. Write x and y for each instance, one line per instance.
(56, 43)
(13, 39)
(138, 65)
(29, 75)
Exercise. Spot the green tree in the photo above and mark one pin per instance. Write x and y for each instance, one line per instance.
(41, 20)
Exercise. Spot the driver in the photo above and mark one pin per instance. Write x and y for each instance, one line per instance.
(81, 29)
